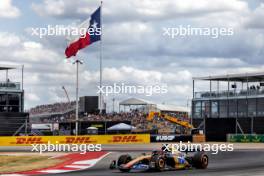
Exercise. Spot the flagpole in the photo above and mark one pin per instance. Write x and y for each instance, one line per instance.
(77, 62)
(101, 77)
(70, 51)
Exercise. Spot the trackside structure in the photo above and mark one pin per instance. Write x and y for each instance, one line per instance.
(12, 116)
(232, 103)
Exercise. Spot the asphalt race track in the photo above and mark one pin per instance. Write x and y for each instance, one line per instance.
(239, 162)
(246, 159)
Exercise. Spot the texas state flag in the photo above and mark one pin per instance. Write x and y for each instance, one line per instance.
(91, 32)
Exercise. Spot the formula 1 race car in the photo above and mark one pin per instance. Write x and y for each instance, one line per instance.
(161, 161)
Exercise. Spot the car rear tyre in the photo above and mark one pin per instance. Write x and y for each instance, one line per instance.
(160, 164)
(200, 160)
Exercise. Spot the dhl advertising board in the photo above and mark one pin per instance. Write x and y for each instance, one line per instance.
(91, 139)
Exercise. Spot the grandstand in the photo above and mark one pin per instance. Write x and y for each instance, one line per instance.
(52, 112)
(64, 114)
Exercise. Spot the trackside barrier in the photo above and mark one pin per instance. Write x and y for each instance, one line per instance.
(177, 138)
(170, 138)
(257, 138)
(198, 138)
(87, 139)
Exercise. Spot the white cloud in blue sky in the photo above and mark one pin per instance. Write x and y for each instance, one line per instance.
(134, 48)
(8, 10)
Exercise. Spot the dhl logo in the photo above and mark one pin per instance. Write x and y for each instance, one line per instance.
(125, 139)
(79, 140)
(29, 140)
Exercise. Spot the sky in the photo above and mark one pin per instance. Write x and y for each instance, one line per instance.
(134, 48)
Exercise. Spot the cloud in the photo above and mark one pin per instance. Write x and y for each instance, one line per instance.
(62, 8)
(33, 51)
(38, 60)
(7, 10)
(135, 75)
(136, 9)
(8, 39)
(254, 20)
(138, 33)
(211, 62)
(32, 97)
(134, 49)
(46, 73)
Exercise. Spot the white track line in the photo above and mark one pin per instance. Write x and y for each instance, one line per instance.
(77, 165)
(12, 175)
(55, 171)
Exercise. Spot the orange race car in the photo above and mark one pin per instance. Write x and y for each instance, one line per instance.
(161, 161)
